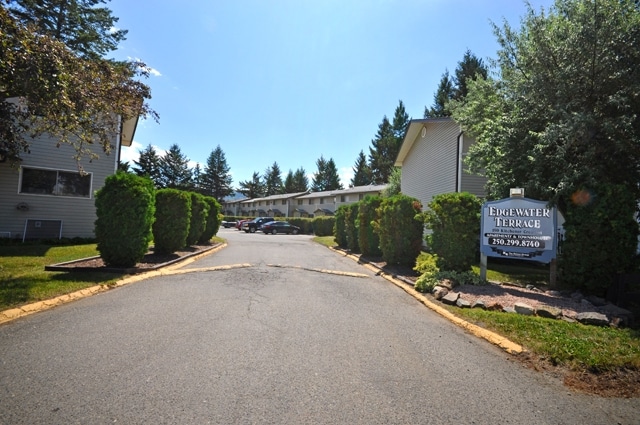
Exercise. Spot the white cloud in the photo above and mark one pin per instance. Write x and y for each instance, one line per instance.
(346, 174)
(150, 70)
(132, 153)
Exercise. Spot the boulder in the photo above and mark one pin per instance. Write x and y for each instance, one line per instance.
(597, 301)
(448, 283)
(508, 309)
(439, 292)
(525, 309)
(462, 303)
(479, 304)
(593, 318)
(548, 312)
(451, 298)
(494, 306)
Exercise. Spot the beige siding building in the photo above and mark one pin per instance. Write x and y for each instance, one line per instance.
(432, 160)
(46, 197)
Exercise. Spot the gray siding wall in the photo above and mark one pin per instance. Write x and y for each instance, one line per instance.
(471, 183)
(77, 214)
(431, 165)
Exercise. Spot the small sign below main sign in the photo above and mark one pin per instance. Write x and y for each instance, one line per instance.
(519, 228)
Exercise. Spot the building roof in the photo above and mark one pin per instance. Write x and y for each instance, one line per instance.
(415, 127)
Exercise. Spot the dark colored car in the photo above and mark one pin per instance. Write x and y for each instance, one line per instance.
(227, 224)
(253, 225)
(274, 227)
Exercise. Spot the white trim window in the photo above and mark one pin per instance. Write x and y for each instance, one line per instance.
(42, 181)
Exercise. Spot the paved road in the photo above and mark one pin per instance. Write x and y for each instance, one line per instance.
(271, 342)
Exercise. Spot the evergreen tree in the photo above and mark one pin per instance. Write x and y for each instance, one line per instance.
(174, 170)
(326, 178)
(148, 164)
(253, 188)
(470, 68)
(196, 178)
(216, 181)
(300, 181)
(382, 148)
(444, 93)
(123, 166)
(273, 180)
(87, 30)
(361, 172)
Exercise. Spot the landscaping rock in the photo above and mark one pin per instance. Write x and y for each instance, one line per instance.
(548, 312)
(593, 318)
(479, 304)
(451, 298)
(462, 303)
(525, 309)
(618, 316)
(554, 293)
(448, 283)
(509, 309)
(439, 292)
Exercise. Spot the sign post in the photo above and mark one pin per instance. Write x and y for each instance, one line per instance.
(518, 228)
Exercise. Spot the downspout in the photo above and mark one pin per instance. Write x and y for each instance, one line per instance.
(119, 139)
(459, 163)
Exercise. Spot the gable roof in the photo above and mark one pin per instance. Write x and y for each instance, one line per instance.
(414, 129)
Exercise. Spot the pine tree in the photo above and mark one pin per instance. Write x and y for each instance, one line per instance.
(216, 180)
(88, 30)
(253, 188)
(440, 98)
(300, 181)
(148, 164)
(273, 180)
(361, 172)
(196, 178)
(382, 147)
(174, 170)
(470, 68)
(326, 178)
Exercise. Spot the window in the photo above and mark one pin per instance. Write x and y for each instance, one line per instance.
(343, 198)
(284, 202)
(300, 201)
(55, 182)
(322, 200)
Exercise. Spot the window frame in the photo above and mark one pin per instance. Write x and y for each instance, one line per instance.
(55, 192)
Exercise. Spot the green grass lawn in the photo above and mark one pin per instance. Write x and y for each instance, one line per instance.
(23, 279)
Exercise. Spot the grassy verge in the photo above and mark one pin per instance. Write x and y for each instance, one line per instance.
(23, 279)
(573, 345)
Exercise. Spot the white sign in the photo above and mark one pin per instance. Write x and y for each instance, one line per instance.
(519, 228)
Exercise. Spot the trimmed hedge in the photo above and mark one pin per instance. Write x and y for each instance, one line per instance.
(323, 226)
(213, 220)
(400, 226)
(305, 224)
(125, 208)
(454, 219)
(368, 239)
(173, 218)
(351, 227)
(199, 213)
(339, 227)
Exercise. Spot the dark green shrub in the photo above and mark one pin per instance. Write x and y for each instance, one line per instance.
(339, 231)
(305, 224)
(173, 218)
(600, 238)
(368, 239)
(351, 227)
(199, 213)
(212, 221)
(454, 219)
(125, 209)
(400, 225)
(323, 226)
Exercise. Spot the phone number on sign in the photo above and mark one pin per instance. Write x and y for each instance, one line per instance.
(522, 243)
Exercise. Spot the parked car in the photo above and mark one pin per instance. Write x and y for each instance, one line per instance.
(227, 224)
(274, 227)
(239, 224)
(253, 225)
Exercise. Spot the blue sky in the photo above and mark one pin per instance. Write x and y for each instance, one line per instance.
(288, 81)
